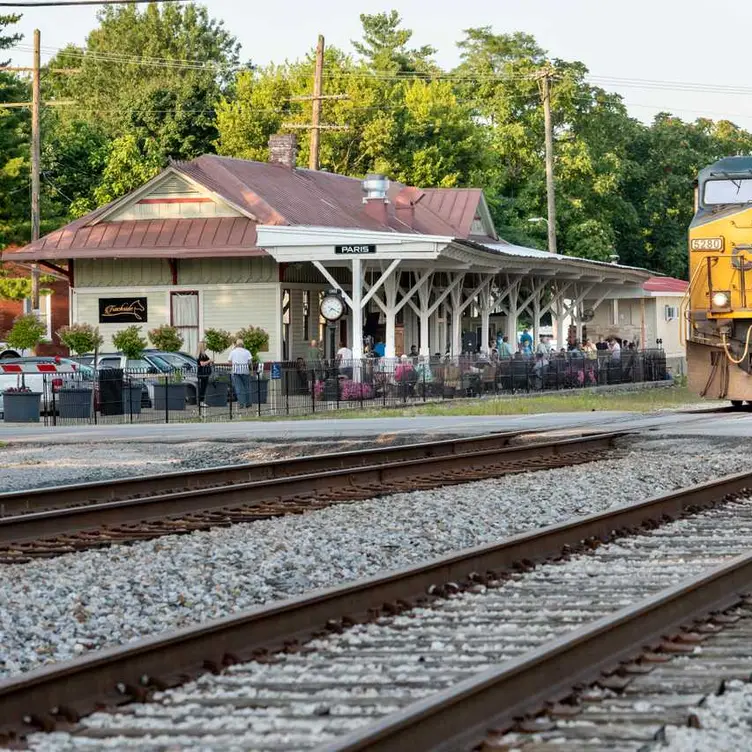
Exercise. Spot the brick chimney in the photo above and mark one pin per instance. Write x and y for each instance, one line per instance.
(375, 201)
(283, 149)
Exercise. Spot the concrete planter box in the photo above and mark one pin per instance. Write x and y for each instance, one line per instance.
(131, 400)
(169, 397)
(74, 403)
(21, 407)
(216, 393)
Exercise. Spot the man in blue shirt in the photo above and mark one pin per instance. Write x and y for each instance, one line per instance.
(526, 340)
(379, 348)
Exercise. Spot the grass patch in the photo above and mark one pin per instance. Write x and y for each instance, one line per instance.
(640, 401)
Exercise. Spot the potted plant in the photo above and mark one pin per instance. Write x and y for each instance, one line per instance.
(218, 386)
(256, 340)
(130, 342)
(169, 391)
(166, 338)
(21, 405)
(75, 399)
(26, 333)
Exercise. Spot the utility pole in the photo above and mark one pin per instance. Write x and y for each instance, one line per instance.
(544, 83)
(318, 80)
(35, 159)
(316, 99)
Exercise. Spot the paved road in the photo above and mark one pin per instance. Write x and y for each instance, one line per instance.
(675, 423)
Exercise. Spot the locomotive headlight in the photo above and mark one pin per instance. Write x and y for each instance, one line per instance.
(721, 300)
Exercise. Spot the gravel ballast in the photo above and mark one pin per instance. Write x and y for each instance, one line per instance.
(60, 608)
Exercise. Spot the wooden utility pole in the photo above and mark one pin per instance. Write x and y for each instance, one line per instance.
(544, 82)
(35, 159)
(318, 80)
(316, 99)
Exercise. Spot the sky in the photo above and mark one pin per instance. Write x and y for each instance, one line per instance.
(690, 57)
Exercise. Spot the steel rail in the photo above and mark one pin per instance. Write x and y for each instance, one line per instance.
(37, 526)
(74, 688)
(58, 497)
(455, 718)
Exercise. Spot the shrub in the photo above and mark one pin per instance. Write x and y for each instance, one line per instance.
(166, 338)
(130, 342)
(217, 340)
(353, 390)
(254, 338)
(27, 332)
(80, 338)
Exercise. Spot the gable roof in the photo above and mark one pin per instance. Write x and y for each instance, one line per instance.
(665, 284)
(459, 207)
(261, 193)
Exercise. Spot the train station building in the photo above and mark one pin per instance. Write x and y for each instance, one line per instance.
(227, 243)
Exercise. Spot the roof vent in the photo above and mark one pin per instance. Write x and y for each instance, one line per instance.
(375, 188)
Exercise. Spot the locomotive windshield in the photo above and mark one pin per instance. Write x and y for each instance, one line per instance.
(728, 191)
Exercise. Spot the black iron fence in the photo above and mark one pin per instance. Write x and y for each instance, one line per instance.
(305, 388)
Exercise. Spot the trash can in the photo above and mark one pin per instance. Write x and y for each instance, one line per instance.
(21, 407)
(74, 403)
(111, 391)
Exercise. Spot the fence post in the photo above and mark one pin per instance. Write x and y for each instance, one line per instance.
(54, 401)
(424, 381)
(229, 397)
(313, 390)
(167, 398)
(258, 391)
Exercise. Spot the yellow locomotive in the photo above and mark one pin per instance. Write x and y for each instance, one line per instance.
(718, 304)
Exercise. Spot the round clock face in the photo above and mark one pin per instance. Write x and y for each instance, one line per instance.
(332, 307)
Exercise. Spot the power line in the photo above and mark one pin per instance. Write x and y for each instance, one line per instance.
(61, 3)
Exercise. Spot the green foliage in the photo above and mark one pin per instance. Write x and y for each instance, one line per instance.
(166, 338)
(130, 342)
(217, 340)
(254, 338)
(623, 187)
(80, 338)
(26, 333)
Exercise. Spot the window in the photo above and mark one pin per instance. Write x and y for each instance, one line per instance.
(731, 191)
(670, 312)
(184, 317)
(307, 315)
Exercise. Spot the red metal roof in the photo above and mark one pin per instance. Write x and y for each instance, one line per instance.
(154, 238)
(266, 193)
(665, 284)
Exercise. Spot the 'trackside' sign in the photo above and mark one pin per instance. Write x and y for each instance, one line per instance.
(122, 310)
(354, 250)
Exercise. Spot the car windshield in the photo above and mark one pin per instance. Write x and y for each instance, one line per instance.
(730, 191)
(175, 360)
(158, 362)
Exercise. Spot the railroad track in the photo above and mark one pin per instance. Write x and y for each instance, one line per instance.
(471, 611)
(293, 488)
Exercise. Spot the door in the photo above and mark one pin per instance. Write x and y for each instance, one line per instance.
(184, 317)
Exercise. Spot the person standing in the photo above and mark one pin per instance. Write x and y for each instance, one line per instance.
(203, 372)
(241, 360)
(345, 360)
(313, 354)
(526, 340)
(505, 349)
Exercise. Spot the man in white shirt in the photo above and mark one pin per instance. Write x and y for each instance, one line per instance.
(344, 360)
(615, 348)
(241, 360)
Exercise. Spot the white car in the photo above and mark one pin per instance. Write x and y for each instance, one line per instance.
(42, 374)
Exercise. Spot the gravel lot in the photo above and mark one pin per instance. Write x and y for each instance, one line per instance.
(37, 465)
(53, 610)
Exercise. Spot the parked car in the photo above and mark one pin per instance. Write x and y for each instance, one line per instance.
(60, 372)
(181, 360)
(146, 370)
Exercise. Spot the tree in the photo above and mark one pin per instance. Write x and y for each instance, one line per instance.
(147, 89)
(384, 46)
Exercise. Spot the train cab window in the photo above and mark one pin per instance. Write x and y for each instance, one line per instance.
(729, 191)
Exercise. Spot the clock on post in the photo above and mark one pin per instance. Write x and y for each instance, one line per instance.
(332, 307)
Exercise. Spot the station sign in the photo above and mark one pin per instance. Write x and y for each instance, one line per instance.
(123, 310)
(354, 250)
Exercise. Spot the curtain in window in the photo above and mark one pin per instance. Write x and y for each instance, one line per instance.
(185, 319)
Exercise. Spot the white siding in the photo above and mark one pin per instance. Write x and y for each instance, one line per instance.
(85, 310)
(669, 331)
(252, 305)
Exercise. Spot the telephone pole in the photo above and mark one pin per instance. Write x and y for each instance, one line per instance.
(318, 80)
(316, 99)
(35, 159)
(544, 83)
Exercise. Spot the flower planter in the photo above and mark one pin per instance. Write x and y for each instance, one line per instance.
(169, 397)
(74, 403)
(259, 391)
(216, 393)
(132, 399)
(21, 407)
